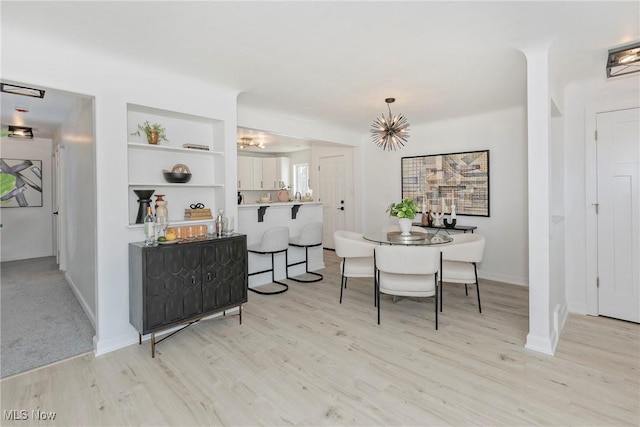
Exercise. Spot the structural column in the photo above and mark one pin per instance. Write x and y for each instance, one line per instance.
(541, 335)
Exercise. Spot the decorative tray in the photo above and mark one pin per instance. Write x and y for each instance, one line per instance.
(397, 236)
(168, 242)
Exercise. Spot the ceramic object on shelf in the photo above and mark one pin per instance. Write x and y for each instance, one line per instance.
(144, 201)
(283, 196)
(176, 177)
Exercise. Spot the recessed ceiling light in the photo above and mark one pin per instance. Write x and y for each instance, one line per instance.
(21, 90)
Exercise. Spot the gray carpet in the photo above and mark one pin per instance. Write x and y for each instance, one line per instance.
(41, 320)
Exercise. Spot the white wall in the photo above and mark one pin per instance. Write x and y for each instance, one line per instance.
(78, 209)
(583, 100)
(501, 132)
(114, 84)
(28, 232)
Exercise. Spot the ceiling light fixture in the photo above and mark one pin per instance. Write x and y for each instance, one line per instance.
(390, 133)
(21, 90)
(623, 60)
(22, 132)
(249, 143)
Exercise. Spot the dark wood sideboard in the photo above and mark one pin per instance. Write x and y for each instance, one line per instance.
(179, 284)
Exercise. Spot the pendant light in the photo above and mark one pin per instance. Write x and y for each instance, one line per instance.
(392, 132)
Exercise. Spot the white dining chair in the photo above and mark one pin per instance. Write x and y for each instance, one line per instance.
(357, 257)
(410, 271)
(459, 262)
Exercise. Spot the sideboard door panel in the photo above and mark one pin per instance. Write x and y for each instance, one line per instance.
(214, 291)
(236, 270)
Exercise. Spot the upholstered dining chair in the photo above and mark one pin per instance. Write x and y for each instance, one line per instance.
(459, 262)
(410, 271)
(357, 257)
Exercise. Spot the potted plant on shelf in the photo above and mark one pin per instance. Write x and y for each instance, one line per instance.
(155, 132)
(405, 211)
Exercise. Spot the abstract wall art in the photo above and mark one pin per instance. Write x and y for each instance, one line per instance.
(20, 183)
(455, 178)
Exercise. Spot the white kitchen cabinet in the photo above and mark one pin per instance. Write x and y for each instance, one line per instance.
(270, 176)
(263, 173)
(146, 161)
(257, 173)
(245, 173)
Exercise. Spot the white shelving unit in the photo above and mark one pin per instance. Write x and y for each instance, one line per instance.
(146, 162)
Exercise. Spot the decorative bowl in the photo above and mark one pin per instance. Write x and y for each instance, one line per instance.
(176, 177)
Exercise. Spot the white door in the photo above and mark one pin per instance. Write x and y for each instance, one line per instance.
(618, 161)
(331, 178)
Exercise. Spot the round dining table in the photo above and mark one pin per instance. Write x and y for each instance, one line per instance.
(414, 239)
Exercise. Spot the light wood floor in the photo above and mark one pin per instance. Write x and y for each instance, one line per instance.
(301, 358)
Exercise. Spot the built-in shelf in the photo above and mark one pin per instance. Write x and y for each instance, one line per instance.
(175, 149)
(169, 184)
(146, 162)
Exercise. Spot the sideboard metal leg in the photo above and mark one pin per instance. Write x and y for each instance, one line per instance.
(153, 345)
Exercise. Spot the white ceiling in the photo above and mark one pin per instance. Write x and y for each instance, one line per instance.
(336, 62)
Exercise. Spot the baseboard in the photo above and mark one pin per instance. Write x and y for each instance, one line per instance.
(496, 277)
(23, 257)
(578, 308)
(559, 317)
(83, 303)
(102, 347)
(541, 344)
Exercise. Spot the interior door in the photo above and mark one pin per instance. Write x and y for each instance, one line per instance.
(331, 177)
(618, 163)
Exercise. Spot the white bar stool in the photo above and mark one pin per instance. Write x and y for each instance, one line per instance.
(274, 241)
(310, 236)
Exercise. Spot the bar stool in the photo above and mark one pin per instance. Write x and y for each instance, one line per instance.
(274, 241)
(310, 236)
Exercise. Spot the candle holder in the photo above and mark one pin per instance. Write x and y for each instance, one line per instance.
(437, 217)
(451, 224)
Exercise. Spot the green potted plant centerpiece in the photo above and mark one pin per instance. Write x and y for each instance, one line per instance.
(155, 132)
(405, 211)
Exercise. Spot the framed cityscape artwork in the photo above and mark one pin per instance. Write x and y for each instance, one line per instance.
(20, 183)
(440, 179)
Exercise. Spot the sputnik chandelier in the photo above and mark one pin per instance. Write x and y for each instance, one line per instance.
(390, 133)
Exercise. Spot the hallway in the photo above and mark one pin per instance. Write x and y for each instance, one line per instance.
(41, 319)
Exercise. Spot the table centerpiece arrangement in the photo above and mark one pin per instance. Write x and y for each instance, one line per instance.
(405, 211)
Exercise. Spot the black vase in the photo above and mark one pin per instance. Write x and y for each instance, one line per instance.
(144, 199)
(239, 198)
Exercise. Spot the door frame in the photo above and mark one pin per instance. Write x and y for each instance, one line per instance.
(591, 187)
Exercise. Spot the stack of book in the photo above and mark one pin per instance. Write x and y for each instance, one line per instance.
(196, 147)
(197, 214)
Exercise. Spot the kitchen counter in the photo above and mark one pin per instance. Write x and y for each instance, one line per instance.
(275, 204)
